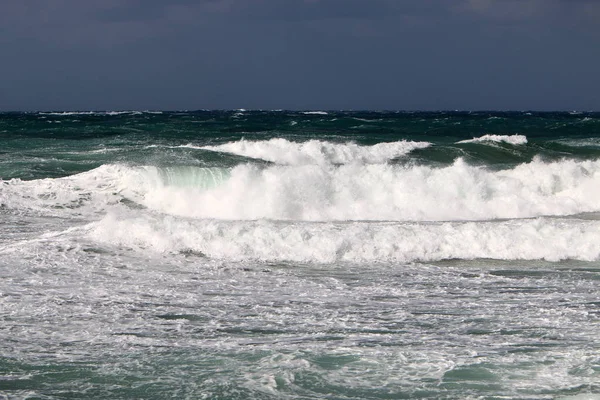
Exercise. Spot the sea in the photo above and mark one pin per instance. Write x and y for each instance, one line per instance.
(247, 254)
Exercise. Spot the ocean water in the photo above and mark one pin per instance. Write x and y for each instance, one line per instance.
(299, 255)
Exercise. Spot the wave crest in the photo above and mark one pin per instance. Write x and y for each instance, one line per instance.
(510, 139)
(352, 192)
(283, 151)
(543, 238)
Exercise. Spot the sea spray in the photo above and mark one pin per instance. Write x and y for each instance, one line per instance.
(357, 242)
(353, 192)
(283, 151)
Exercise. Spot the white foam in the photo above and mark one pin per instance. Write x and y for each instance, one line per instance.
(352, 192)
(122, 112)
(81, 194)
(367, 120)
(111, 113)
(587, 142)
(283, 151)
(543, 238)
(511, 139)
(315, 113)
(380, 192)
(69, 113)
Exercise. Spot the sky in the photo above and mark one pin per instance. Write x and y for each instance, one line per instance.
(300, 54)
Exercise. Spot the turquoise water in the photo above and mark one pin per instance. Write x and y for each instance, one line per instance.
(277, 254)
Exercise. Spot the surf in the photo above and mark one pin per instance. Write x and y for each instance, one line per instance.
(283, 151)
(547, 239)
(348, 192)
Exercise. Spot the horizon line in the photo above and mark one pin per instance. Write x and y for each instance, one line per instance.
(297, 110)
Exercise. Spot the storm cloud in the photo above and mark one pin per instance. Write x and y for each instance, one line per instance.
(326, 54)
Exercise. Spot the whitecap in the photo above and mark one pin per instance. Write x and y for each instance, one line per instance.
(315, 113)
(510, 139)
(283, 151)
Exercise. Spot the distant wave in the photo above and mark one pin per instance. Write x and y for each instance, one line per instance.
(586, 142)
(109, 113)
(589, 119)
(511, 139)
(283, 151)
(367, 120)
(315, 113)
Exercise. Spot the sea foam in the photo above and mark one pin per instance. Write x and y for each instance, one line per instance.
(283, 151)
(374, 192)
(352, 192)
(510, 139)
(531, 239)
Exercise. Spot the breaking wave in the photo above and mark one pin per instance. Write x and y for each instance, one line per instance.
(283, 151)
(542, 238)
(510, 139)
(352, 192)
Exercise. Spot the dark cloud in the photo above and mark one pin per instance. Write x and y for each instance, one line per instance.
(281, 10)
(136, 10)
(398, 54)
(307, 10)
(317, 9)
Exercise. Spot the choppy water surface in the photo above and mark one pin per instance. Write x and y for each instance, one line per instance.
(241, 255)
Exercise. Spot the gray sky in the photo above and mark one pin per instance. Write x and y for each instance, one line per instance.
(300, 54)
